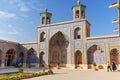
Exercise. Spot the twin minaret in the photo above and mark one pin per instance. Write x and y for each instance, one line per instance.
(78, 11)
(78, 14)
(45, 17)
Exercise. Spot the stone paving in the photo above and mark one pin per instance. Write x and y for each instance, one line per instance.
(70, 74)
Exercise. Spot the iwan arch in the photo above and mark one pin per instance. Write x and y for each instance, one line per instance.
(68, 43)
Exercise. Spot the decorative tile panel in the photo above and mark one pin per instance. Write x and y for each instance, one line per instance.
(78, 44)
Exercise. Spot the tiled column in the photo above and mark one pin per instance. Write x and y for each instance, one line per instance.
(3, 60)
(71, 41)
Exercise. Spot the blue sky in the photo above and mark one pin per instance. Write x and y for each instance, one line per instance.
(19, 18)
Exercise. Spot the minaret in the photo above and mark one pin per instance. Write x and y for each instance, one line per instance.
(45, 17)
(78, 11)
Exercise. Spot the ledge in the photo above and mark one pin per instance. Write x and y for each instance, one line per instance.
(6, 41)
(28, 43)
(102, 37)
(60, 23)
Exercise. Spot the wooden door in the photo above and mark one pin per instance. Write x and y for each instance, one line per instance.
(79, 59)
(119, 59)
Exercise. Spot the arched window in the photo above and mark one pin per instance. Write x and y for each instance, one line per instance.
(48, 20)
(77, 14)
(83, 14)
(77, 33)
(42, 37)
(43, 20)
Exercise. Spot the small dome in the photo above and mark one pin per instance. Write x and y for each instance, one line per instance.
(78, 2)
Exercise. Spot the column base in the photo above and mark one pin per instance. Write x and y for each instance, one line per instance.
(84, 66)
(3, 65)
(24, 65)
(70, 66)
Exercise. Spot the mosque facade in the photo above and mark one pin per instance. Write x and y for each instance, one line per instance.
(68, 43)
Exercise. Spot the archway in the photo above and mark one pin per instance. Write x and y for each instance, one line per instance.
(21, 55)
(58, 45)
(95, 54)
(114, 56)
(78, 58)
(31, 57)
(10, 57)
(0, 57)
(77, 14)
(41, 55)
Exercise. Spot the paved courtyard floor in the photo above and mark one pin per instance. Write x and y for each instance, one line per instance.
(70, 74)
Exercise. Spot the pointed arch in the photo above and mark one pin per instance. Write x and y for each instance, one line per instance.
(10, 57)
(77, 33)
(95, 54)
(43, 20)
(114, 56)
(77, 14)
(78, 57)
(58, 45)
(48, 20)
(31, 56)
(42, 37)
(41, 56)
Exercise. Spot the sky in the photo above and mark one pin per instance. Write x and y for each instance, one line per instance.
(19, 19)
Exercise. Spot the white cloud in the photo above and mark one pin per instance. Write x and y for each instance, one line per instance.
(32, 22)
(6, 14)
(24, 15)
(13, 32)
(1, 32)
(7, 38)
(24, 9)
(10, 30)
(9, 26)
(9, 33)
(21, 5)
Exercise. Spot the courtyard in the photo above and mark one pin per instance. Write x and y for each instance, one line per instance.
(77, 74)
